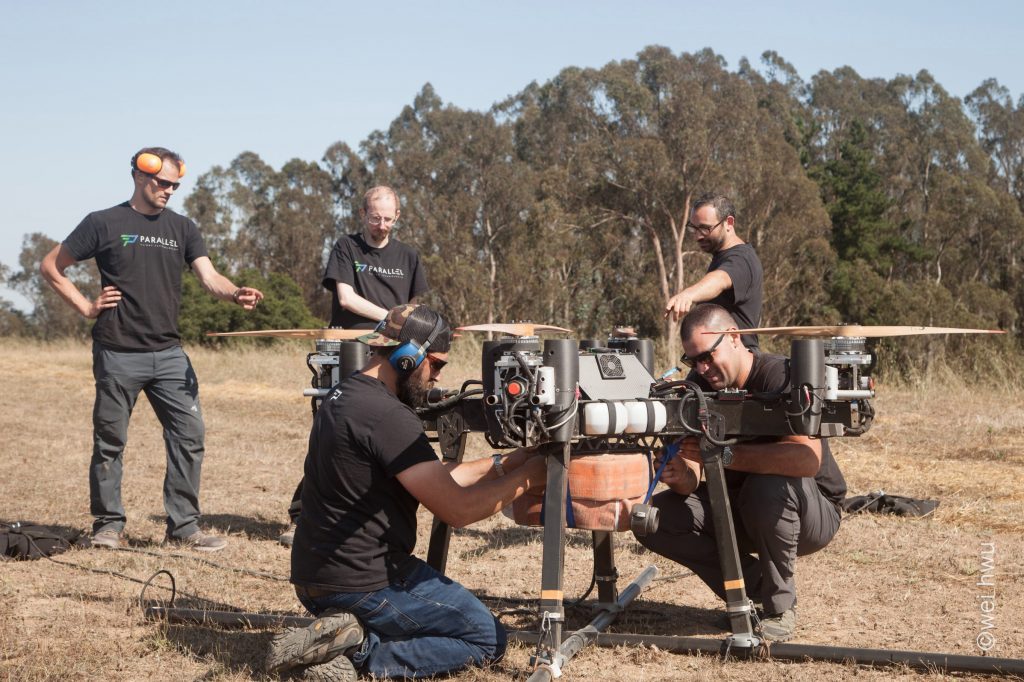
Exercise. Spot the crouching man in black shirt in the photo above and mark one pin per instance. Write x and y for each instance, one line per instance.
(785, 492)
(368, 469)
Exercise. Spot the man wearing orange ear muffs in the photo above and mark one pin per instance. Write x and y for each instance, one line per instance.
(141, 248)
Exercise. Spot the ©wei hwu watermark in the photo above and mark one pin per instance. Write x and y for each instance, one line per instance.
(986, 638)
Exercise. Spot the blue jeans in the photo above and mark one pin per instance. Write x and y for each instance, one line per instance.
(422, 625)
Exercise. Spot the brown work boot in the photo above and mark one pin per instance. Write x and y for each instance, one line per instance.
(338, 669)
(320, 642)
(106, 538)
(778, 627)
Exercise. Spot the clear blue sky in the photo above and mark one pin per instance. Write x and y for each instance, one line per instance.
(85, 84)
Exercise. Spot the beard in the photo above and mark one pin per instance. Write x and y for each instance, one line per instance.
(412, 390)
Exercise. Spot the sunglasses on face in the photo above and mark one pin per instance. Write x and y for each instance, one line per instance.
(703, 230)
(165, 184)
(436, 364)
(704, 357)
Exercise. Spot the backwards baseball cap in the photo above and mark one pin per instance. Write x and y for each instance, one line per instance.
(410, 322)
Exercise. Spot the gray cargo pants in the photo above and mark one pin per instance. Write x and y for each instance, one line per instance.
(777, 519)
(171, 386)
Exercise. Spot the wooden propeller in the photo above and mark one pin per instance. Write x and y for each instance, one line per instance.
(514, 329)
(860, 330)
(337, 334)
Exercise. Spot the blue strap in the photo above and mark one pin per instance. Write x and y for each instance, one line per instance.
(671, 451)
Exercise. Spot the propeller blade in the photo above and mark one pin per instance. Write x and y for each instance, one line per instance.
(514, 329)
(337, 334)
(861, 330)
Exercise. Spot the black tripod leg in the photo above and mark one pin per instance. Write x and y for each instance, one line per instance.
(604, 568)
(736, 602)
(551, 592)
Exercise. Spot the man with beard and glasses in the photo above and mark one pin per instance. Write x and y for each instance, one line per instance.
(734, 279)
(380, 610)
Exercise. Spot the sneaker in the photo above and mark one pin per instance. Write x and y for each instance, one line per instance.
(780, 627)
(107, 538)
(325, 639)
(338, 669)
(199, 541)
(288, 537)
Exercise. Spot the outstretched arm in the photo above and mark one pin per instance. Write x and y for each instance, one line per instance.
(52, 268)
(709, 286)
(222, 287)
(465, 493)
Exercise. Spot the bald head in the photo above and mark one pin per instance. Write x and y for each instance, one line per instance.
(706, 316)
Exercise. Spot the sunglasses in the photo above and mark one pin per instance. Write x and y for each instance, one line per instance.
(436, 364)
(704, 357)
(165, 184)
(704, 230)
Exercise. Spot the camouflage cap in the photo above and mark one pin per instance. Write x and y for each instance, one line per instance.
(408, 322)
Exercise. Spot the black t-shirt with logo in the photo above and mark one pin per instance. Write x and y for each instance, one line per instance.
(357, 530)
(743, 300)
(388, 276)
(770, 374)
(143, 256)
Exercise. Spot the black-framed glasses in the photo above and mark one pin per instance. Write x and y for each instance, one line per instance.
(377, 220)
(165, 184)
(704, 357)
(703, 230)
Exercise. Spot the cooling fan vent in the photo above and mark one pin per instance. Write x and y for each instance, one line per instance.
(611, 366)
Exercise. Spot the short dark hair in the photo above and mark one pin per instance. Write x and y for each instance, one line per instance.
(164, 154)
(705, 315)
(721, 203)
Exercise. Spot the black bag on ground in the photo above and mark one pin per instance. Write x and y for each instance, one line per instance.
(883, 503)
(18, 542)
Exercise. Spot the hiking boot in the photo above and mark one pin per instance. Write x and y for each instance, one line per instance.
(338, 669)
(323, 640)
(779, 627)
(106, 538)
(199, 541)
(288, 537)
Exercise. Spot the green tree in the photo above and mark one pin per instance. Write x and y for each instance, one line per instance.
(51, 316)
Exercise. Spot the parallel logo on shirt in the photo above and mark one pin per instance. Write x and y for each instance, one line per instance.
(145, 240)
(378, 270)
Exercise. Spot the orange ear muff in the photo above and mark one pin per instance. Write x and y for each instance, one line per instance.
(149, 163)
(181, 170)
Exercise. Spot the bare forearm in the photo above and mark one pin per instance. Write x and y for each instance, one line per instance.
(784, 458)
(354, 303)
(492, 492)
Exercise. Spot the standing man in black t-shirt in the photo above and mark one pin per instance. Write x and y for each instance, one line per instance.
(734, 279)
(141, 248)
(785, 492)
(367, 273)
(369, 468)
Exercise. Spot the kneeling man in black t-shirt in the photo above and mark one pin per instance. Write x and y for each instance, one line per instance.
(368, 469)
(785, 492)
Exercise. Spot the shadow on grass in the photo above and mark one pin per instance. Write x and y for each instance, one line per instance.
(517, 536)
(238, 651)
(254, 528)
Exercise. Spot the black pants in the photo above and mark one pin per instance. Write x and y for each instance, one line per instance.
(295, 508)
(777, 518)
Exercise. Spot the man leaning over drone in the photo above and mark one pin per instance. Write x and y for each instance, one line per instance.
(369, 468)
(785, 492)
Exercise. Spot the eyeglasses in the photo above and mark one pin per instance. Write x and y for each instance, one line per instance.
(703, 230)
(704, 357)
(377, 220)
(165, 184)
(436, 364)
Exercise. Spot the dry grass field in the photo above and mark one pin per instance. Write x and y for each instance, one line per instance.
(885, 582)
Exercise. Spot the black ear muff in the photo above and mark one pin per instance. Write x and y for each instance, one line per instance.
(410, 354)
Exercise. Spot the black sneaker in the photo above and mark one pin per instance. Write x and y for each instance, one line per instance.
(199, 541)
(323, 640)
